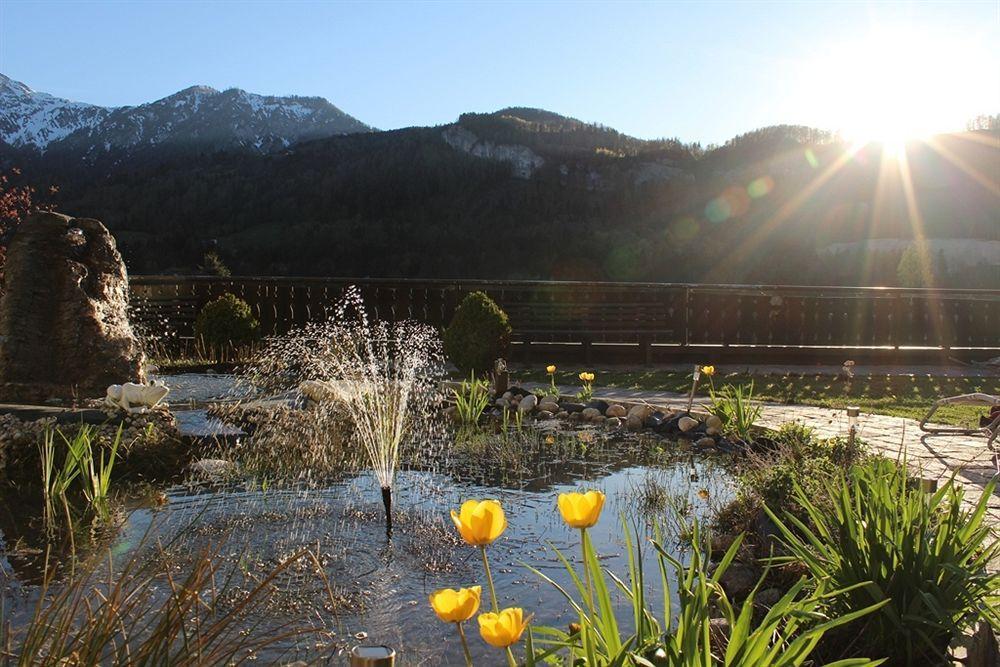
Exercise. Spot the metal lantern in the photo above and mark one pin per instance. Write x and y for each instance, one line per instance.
(373, 656)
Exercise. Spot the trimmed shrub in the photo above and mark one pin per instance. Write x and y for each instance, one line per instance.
(478, 335)
(226, 321)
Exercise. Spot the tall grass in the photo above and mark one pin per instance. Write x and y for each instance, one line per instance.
(924, 557)
(733, 404)
(471, 398)
(79, 462)
(145, 615)
(784, 636)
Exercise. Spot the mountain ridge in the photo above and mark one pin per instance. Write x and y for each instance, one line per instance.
(199, 114)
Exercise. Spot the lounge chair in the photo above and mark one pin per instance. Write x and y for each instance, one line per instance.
(989, 427)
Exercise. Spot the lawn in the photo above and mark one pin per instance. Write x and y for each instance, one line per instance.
(896, 395)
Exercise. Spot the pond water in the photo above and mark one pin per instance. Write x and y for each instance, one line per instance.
(379, 586)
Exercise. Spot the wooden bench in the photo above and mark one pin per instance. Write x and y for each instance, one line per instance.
(587, 322)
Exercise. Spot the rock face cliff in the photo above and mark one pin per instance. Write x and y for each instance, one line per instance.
(64, 327)
(523, 161)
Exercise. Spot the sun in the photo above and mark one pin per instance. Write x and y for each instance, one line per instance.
(899, 85)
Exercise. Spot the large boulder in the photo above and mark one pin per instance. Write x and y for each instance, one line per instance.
(64, 328)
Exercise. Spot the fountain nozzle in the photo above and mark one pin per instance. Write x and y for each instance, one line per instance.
(387, 501)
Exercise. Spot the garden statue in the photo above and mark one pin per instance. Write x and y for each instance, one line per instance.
(136, 398)
(64, 327)
(501, 377)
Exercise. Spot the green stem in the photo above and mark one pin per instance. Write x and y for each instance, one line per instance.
(586, 572)
(465, 645)
(489, 579)
(510, 658)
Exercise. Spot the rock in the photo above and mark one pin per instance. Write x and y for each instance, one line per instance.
(528, 403)
(571, 407)
(686, 423)
(613, 422)
(597, 404)
(714, 422)
(615, 411)
(549, 405)
(669, 426)
(599, 419)
(64, 328)
(562, 414)
(518, 392)
(705, 442)
(768, 597)
(655, 419)
(451, 412)
(575, 416)
(721, 543)
(738, 580)
(590, 413)
(507, 396)
(712, 431)
(545, 414)
(502, 403)
(642, 411)
(633, 423)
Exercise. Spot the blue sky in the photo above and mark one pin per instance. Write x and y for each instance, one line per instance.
(698, 71)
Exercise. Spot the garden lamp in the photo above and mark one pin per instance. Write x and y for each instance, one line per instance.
(372, 656)
(853, 413)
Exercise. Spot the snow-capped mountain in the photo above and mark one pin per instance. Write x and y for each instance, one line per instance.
(197, 116)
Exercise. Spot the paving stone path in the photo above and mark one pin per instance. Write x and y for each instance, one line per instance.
(931, 456)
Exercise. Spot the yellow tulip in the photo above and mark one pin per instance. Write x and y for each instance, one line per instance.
(581, 510)
(587, 377)
(480, 522)
(550, 370)
(503, 629)
(708, 370)
(453, 606)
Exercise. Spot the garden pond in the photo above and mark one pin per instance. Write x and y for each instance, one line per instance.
(375, 588)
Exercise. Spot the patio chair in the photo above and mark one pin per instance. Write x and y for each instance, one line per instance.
(989, 427)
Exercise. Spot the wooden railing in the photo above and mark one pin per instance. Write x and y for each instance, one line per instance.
(644, 315)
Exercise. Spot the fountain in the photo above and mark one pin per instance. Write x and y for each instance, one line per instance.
(380, 377)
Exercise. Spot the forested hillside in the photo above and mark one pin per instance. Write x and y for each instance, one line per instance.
(525, 193)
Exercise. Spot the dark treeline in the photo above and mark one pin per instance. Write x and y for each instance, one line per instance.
(765, 207)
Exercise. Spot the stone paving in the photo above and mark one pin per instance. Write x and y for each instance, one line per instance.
(931, 456)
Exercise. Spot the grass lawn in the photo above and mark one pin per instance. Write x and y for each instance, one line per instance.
(896, 395)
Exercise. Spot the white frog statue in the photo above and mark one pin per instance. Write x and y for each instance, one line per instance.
(136, 398)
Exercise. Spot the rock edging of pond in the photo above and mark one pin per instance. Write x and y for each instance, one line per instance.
(703, 430)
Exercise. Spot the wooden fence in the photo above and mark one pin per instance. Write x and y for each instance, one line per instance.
(654, 318)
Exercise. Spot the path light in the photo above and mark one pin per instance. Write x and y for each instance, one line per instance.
(853, 412)
(694, 385)
(373, 656)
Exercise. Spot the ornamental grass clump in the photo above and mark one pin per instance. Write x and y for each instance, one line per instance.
(471, 398)
(923, 557)
(733, 404)
(784, 636)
